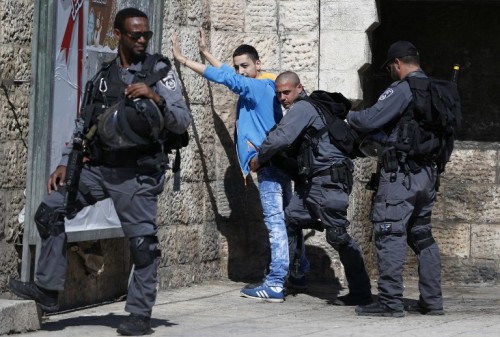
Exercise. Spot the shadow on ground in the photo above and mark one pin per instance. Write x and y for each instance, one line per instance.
(110, 320)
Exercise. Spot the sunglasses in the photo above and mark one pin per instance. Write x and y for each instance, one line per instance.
(388, 66)
(137, 35)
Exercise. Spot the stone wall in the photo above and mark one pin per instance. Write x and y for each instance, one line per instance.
(15, 51)
(467, 215)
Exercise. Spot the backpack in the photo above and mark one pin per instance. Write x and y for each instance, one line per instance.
(333, 107)
(426, 131)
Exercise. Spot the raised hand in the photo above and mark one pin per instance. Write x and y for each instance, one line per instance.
(202, 42)
(176, 49)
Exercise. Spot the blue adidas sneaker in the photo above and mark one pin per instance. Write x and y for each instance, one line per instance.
(264, 293)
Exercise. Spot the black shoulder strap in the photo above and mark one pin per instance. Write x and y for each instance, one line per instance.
(103, 72)
(420, 84)
(332, 107)
(105, 68)
(147, 74)
(313, 132)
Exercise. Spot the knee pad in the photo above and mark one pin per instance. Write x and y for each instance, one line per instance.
(48, 222)
(337, 237)
(143, 250)
(420, 237)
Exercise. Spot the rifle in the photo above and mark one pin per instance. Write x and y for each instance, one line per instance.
(454, 73)
(75, 158)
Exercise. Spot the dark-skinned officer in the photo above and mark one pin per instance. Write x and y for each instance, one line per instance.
(132, 120)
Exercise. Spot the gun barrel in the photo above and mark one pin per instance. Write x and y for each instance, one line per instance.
(89, 87)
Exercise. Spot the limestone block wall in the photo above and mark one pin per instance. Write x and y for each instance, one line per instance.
(327, 43)
(467, 215)
(344, 44)
(15, 51)
(85, 286)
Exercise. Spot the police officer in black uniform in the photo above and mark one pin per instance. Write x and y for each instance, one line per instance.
(403, 203)
(322, 196)
(131, 120)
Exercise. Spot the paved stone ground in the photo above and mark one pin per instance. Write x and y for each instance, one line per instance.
(216, 309)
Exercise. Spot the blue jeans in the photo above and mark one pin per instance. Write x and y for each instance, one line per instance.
(275, 192)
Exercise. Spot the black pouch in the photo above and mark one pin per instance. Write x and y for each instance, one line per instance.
(157, 162)
(344, 138)
(390, 160)
(305, 159)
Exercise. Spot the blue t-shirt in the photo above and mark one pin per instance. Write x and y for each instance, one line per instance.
(257, 112)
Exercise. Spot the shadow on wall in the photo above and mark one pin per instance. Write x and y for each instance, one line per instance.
(321, 266)
(322, 282)
(244, 229)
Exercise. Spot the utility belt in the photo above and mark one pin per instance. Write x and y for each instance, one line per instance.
(148, 159)
(393, 161)
(339, 173)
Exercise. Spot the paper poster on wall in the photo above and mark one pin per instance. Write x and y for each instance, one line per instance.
(100, 24)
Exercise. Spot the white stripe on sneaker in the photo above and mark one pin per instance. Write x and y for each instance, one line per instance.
(262, 294)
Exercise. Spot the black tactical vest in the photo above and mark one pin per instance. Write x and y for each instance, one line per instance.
(109, 89)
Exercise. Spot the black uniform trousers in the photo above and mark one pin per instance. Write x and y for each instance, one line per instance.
(322, 204)
(135, 198)
(401, 213)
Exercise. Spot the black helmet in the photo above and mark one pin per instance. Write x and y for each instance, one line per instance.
(130, 123)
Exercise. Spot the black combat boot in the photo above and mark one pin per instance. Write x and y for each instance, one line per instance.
(135, 325)
(47, 299)
(417, 308)
(378, 309)
(352, 300)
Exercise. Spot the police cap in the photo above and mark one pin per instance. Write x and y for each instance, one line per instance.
(400, 49)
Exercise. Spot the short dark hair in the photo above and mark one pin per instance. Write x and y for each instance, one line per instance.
(288, 76)
(246, 49)
(126, 13)
(411, 59)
